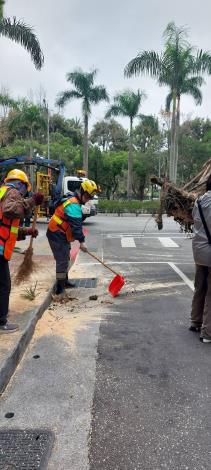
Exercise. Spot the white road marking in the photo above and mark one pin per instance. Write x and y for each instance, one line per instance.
(168, 242)
(139, 237)
(102, 253)
(159, 255)
(126, 262)
(136, 262)
(146, 234)
(182, 275)
(128, 242)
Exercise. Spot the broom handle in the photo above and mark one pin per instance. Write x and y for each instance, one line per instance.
(34, 224)
(105, 265)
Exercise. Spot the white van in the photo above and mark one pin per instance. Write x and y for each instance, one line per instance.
(71, 184)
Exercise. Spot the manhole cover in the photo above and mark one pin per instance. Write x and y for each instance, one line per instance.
(85, 282)
(25, 450)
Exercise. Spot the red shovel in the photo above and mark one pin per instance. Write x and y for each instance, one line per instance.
(117, 282)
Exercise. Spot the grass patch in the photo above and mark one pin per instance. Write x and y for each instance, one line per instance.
(30, 293)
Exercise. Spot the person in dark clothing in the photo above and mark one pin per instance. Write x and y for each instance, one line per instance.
(201, 304)
(13, 209)
(64, 227)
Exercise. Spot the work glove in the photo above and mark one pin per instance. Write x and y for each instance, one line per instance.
(38, 198)
(83, 247)
(31, 232)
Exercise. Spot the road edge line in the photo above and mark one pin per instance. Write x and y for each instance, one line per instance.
(187, 281)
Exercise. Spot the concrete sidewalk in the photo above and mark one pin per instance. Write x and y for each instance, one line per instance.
(27, 312)
(24, 311)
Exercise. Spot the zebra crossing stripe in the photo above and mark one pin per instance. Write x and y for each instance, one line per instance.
(168, 242)
(128, 242)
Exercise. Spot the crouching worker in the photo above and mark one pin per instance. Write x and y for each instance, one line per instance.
(13, 209)
(64, 227)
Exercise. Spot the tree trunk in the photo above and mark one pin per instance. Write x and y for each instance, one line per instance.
(108, 193)
(31, 153)
(86, 146)
(173, 142)
(130, 162)
(177, 137)
(141, 191)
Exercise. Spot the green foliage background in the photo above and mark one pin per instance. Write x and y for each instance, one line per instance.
(26, 127)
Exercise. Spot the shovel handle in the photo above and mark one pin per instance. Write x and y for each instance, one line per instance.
(34, 223)
(105, 265)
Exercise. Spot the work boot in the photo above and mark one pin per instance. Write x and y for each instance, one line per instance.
(194, 326)
(9, 328)
(69, 284)
(60, 285)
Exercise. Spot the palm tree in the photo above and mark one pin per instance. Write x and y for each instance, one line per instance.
(19, 32)
(127, 104)
(7, 102)
(28, 119)
(89, 94)
(179, 69)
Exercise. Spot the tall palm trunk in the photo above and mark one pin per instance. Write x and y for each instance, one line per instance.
(177, 136)
(86, 145)
(173, 142)
(130, 162)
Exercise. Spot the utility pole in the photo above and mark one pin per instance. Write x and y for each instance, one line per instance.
(48, 126)
(48, 136)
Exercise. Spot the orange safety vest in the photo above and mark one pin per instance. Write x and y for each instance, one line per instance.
(8, 230)
(59, 221)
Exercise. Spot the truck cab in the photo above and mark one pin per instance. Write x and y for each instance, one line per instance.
(72, 184)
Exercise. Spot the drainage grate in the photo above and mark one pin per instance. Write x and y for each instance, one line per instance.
(25, 449)
(88, 283)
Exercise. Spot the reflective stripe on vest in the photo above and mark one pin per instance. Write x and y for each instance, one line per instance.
(8, 230)
(59, 222)
(3, 191)
(57, 219)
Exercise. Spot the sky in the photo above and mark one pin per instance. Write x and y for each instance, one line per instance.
(104, 35)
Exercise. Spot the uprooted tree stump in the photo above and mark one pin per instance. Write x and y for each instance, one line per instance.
(178, 202)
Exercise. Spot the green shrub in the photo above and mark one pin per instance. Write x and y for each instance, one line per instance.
(128, 206)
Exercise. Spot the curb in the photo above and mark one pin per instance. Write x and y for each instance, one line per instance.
(12, 360)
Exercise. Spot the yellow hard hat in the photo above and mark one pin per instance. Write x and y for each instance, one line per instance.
(89, 187)
(18, 175)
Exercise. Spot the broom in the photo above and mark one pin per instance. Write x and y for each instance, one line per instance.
(27, 266)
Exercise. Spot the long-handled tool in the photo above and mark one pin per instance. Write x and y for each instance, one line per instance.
(27, 266)
(117, 282)
(76, 248)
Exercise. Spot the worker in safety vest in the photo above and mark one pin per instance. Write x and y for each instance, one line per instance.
(64, 227)
(13, 209)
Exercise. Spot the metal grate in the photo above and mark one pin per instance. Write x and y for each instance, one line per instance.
(25, 449)
(88, 283)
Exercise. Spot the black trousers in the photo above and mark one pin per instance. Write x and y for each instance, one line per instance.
(61, 251)
(5, 288)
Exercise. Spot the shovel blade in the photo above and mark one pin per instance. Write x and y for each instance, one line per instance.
(116, 285)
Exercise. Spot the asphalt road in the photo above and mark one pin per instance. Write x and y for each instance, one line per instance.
(136, 394)
(151, 407)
